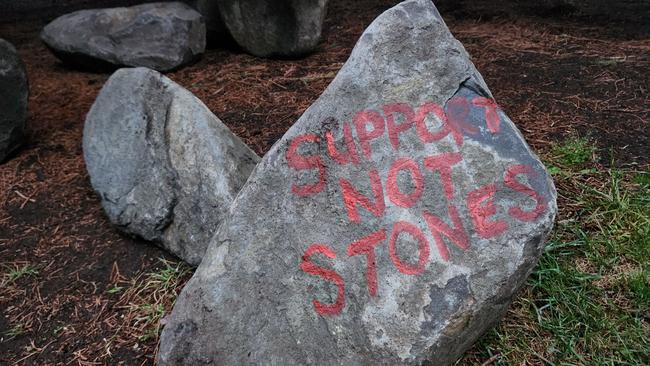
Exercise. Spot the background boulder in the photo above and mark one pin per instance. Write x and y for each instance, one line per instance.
(160, 36)
(164, 166)
(267, 28)
(14, 94)
(217, 33)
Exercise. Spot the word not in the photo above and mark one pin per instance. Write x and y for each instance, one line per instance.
(481, 207)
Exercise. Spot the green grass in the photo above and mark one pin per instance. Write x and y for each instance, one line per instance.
(148, 298)
(588, 300)
(13, 332)
(608, 61)
(115, 290)
(149, 315)
(14, 272)
(574, 152)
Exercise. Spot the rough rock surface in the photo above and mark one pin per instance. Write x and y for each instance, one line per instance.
(267, 28)
(164, 166)
(160, 36)
(216, 30)
(14, 93)
(393, 223)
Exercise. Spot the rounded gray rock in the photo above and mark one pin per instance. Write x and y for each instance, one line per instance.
(268, 28)
(165, 167)
(14, 95)
(392, 224)
(160, 36)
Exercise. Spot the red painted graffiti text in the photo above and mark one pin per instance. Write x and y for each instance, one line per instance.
(443, 232)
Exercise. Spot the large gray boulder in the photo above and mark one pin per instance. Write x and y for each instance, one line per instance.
(216, 32)
(392, 224)
(14, 94)
(160, 36)
(165, 167)
(268, 28)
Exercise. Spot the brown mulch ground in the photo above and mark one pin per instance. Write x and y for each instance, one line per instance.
(554, 77)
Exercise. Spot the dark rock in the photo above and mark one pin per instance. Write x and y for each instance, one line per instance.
(14, 94)
(268, 28)
(217, 34)
(160, 36)
(164, 166)
(392, 224)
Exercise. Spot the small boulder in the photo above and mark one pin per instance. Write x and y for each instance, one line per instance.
(165, 167)
(160, 36)
(14, 94)
(393, 223)
(268, 28)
